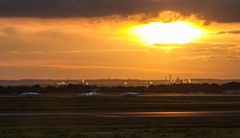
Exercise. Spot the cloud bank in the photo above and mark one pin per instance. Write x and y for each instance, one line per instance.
(213, 10)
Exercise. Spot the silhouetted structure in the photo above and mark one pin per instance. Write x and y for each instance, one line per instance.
(80, 88)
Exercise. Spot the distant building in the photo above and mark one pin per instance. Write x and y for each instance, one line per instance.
(84, 82)
(183, 81)
(178, 81)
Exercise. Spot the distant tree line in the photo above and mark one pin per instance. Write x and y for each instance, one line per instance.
(76, 88)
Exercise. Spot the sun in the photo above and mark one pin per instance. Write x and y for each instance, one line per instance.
(167, 33)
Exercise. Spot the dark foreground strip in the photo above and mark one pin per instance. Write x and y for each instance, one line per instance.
(132, 114)
(121, 119)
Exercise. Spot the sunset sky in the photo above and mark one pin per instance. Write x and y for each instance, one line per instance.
(141, 39)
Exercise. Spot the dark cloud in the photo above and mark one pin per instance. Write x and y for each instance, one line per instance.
(214, 10)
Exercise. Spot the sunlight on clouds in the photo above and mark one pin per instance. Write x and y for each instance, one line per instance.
(167, 33)
(168, 30)
(108, 42)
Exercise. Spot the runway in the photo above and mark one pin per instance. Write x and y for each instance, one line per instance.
(129, 114)
(120, 119)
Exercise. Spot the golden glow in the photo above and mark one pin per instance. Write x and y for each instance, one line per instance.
(167, 33)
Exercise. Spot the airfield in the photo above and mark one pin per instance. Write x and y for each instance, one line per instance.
(113, 112)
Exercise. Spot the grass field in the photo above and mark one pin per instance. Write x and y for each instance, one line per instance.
(123, 133)
(119, 104)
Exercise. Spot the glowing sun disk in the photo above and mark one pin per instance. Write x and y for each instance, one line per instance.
(167, 33)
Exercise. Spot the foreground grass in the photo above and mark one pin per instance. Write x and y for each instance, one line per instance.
(123, 133)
